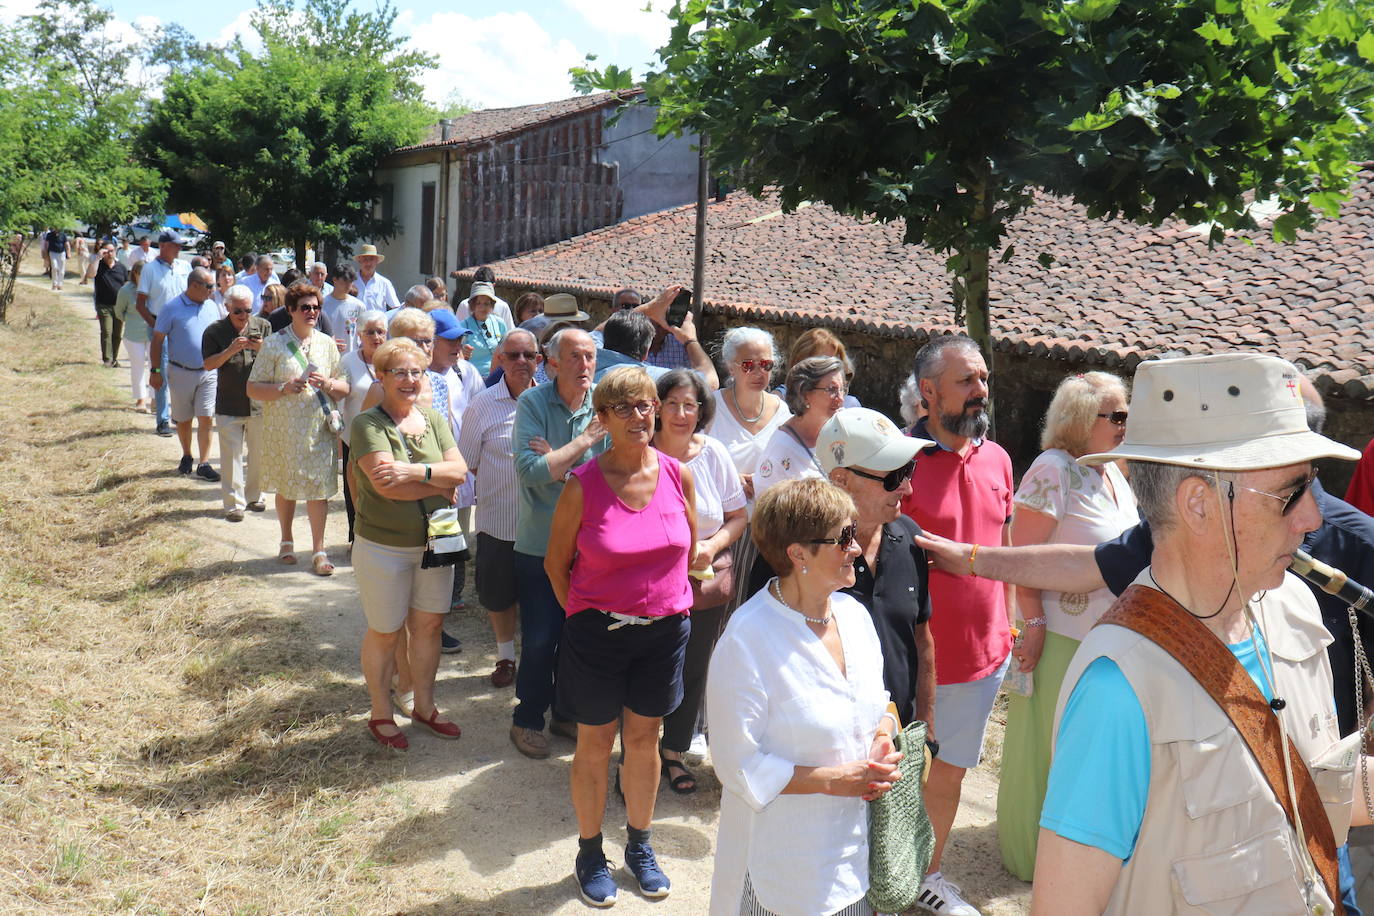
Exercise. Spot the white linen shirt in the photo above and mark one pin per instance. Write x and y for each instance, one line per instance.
(776, 700)
(377, 294)
(716, 485)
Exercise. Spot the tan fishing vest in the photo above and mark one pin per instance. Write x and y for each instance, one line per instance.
(1214, 839)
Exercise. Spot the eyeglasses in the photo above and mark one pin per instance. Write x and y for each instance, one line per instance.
(240, 311)
(1116, 417)
(749, 365)
(846, 538)
(642, 408)
(687, 407)
(308, 308)
(892, 479)
(405, 373)
(833, 391)
(380, 332)
(1288, 501)
(423, 341)
(523, 354)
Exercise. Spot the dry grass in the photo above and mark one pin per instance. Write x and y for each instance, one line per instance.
(168, 742)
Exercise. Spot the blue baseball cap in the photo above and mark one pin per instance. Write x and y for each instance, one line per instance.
(446, 325)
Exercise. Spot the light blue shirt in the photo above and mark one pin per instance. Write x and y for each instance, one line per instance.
(606, 360)
(257, 285)
(1100, 779)
(184, 323)
(485, 338)
(541, 412)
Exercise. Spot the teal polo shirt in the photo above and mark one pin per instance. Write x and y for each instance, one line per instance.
(540, 412)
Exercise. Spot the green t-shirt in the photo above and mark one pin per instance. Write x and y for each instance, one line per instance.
(395, 523)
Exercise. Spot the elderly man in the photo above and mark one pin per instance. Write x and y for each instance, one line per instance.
(1344, 540)
(140, 253)
(318, 275)
(1202, 700)
(177, 336)
(374, 289)
(229, 347)
(163, 279)
(264, 275)
(486, 444)
(556, 430)
(962, 483)
(626, 336)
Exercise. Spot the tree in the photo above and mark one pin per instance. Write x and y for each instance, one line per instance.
(282, 146)
(950, 115)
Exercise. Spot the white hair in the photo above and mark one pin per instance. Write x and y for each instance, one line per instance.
(738, 337)
(418, 295)
(238, 293)
(910, 396)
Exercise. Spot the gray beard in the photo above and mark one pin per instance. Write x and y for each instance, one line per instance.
(966, 425)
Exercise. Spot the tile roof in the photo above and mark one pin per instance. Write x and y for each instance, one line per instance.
(1116, 293)
(490, 124)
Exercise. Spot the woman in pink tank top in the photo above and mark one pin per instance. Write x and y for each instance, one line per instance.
(622, 540)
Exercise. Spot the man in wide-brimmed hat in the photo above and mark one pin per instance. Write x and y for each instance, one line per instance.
(374, 290)
(1165, 795)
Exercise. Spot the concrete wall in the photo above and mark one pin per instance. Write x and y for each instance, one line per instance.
(402, 265)
(1022, 385)
(654, 174)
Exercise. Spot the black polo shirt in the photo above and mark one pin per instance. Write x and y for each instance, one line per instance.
(1345, 540)
(897, 598)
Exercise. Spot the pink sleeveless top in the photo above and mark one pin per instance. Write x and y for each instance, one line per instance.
(632, 562)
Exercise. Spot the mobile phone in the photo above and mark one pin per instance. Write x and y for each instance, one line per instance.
(682, 304)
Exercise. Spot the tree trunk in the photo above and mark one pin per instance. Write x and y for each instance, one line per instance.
(300, 254)
(975, 279)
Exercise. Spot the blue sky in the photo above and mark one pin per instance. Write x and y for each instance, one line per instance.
(514, 52)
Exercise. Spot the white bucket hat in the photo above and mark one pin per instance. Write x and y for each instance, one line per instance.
(1230, 412)
(863, 438)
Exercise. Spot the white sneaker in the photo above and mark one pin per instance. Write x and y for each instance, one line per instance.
(940, 895)
(696, 752)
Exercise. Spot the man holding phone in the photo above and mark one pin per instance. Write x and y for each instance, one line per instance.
(229, 347)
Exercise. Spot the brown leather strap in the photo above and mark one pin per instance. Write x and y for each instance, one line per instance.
(1168, 625)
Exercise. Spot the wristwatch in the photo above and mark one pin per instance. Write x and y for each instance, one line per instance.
(155, 370)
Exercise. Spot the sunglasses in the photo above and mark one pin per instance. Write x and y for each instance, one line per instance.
(642, 408)
(892, 479)
(240, 311)
(308, 308)
(832, 392)
(749, 365)
(523, 354)
(1116, 417)
(846, 538)
(1288, 501)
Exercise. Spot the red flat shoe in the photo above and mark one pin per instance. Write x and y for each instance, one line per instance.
(442, 729)
(396, 742)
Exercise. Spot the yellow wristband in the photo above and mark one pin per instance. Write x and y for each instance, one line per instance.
(971, 554)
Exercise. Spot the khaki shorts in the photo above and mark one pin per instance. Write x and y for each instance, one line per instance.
(391, 583)
(190, 393)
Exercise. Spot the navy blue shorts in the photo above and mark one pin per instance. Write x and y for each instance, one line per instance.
(602, 671)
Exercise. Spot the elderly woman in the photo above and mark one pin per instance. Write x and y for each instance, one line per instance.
(486, 329)
(358, 371)
(297, 377)
(135, 337)
(687, 408)
(815, 390)
(623, 538)
(1059, 502)
(820, 342)
(746, 412)
(405, 465)
(527, 306)
(799, 735)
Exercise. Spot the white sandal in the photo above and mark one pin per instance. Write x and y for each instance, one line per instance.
(319, 562)
(286, 553)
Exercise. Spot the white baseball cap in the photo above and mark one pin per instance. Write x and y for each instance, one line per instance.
(1228, 412)
(863, 438)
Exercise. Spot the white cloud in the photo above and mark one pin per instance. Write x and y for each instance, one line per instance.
(495, 61)
(241, 27)
(626, 18)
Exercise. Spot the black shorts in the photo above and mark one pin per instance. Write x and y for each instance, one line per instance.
(602, 671)
(495, 572)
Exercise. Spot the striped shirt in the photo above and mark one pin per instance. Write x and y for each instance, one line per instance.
(486, 446)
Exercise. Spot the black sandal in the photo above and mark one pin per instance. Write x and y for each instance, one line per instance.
(682, 784)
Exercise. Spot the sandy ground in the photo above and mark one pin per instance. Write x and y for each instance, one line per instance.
(487, 830)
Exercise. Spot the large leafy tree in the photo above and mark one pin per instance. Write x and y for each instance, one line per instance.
(950, 114)
(281, 145)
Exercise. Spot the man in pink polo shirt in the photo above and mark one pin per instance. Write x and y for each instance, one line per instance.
(961, 484)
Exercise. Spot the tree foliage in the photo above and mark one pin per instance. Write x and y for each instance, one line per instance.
(950, 114)
(281, 145)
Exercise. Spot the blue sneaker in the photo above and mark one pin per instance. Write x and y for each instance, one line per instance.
(639, 859)
(594, 881)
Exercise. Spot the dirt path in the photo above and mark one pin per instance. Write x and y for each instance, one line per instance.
(470, 826)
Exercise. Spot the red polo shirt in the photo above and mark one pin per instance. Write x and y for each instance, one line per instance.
(967, 499)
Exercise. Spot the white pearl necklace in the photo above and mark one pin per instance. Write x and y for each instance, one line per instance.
(818, 621)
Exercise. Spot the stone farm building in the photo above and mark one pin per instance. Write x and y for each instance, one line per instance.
(498, 181)
(1116, 293)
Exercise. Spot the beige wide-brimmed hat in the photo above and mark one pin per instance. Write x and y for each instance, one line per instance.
(1229, 412)
(563, 307)
(369, 251)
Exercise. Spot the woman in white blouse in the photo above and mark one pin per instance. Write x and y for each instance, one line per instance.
(1059, 502)
(357, 368)
(799, 735)
(746, 411)
(815, 390)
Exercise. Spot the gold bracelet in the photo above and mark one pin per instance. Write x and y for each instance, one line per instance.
(971, 554)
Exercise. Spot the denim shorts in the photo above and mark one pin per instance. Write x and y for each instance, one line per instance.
(602, 671)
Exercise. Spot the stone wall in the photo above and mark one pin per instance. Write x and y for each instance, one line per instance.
(1022, 384)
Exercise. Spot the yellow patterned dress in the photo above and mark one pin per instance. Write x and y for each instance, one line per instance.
(298, 450)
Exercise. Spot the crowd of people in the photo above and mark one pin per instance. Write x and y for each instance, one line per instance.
(764, 573)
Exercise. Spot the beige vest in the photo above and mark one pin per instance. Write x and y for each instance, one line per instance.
(1214, 839)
